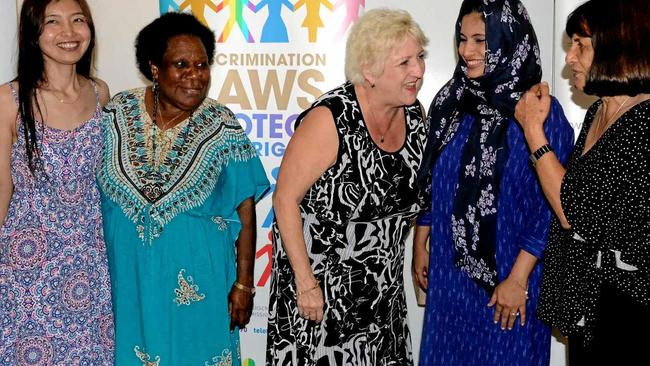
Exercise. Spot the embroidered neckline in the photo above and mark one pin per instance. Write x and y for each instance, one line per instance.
(189, 173)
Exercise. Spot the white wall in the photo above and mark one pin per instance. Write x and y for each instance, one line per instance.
(117, 22)
(7, 40)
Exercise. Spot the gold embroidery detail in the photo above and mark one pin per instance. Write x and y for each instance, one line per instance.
(145, 358)
(224, 360)
(187, 291)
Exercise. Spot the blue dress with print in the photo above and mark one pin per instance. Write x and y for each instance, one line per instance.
(170, 224)
(458, 325)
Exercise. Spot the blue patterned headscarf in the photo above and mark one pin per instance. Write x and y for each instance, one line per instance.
(512, 66)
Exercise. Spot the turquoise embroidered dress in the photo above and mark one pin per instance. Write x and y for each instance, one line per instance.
(170, 224)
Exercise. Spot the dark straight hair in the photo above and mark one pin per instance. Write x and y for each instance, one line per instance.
(471, 6)
(466, 8)
(31, 68)
(620, 36)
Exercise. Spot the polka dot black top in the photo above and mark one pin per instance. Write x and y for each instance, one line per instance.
(605, 196)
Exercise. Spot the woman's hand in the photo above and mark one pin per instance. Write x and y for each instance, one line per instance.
(421, 266)
(421, 255)
(240, 307)
(510, 299)
(533, 107)
(310, 301)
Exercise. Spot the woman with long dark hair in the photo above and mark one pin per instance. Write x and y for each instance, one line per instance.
(55, 306)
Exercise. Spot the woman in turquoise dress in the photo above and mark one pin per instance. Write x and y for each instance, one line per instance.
(179, 180)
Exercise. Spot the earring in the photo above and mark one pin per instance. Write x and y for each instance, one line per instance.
(155, 90)
(155, 86)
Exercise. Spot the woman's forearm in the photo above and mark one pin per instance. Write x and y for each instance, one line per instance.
(287, 214)
(246, 243)
(550, 172)
(421, 236)
(520, 271)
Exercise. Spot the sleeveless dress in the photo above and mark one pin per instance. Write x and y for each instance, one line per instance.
(55, 304)
(356, 217)
(171, 231)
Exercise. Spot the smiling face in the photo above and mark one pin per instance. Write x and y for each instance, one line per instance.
(65, 33)
(184, 73)
(401, 78)
(472, 44)
(579, 58)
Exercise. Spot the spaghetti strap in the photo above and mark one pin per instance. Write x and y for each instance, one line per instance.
(14, 92)
(96, 92)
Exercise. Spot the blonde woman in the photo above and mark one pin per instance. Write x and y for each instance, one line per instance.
(344, 202)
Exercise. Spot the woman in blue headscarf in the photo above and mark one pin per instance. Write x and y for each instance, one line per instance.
(488, 220)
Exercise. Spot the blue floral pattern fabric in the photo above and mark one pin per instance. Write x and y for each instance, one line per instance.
(512, 66)
(55, 296)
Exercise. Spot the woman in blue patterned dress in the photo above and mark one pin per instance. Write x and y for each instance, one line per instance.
(179, 180)
(488, 220)
(55, 305)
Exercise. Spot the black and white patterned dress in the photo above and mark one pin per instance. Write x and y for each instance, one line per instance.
(356, 217)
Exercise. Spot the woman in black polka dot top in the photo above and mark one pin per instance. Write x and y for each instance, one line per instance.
(596, 283)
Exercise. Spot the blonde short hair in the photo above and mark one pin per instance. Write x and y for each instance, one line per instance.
(372, 38)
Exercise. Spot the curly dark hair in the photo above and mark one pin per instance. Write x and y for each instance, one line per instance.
(151, 43)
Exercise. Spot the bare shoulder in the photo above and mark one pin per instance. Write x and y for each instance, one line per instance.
(8, 108)
(318, 120)
(315, 140)
(104, 92)
(317, 130)
(310, 152)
